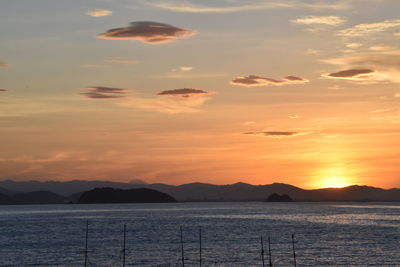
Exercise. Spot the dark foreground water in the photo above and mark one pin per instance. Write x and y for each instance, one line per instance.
(328, 234)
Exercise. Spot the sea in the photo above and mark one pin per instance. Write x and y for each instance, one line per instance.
(164, 235)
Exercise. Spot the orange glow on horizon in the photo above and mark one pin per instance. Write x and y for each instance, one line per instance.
(334, 182)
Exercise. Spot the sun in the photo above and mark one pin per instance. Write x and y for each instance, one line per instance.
(334, 182)
(333, 177)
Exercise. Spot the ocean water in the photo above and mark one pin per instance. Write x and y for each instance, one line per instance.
(326, 234)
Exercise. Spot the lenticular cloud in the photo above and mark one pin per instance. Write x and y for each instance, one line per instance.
(148, 32)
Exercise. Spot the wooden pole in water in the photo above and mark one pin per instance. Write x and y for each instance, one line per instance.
(294, 251)
(269, 252)
(86, 242)
(200, 259)
(124, 247)
(183, 257)
(262, 252)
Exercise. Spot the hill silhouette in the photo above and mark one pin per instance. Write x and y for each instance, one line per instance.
(279, 198)
(112, 195)
(35, 197)
(72, 190)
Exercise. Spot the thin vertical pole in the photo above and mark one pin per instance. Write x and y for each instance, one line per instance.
(183, 257)
(124, 249)
(262, 252)
(200, 259)
(86, 242)
(269, 252)
(294, 251)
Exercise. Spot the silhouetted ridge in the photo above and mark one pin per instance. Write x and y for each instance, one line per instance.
(279, 198)
(5, 200)
(35, 197)
(38, 197)
(112, 195)
(209, 192)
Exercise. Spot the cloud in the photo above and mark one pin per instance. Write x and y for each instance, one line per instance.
(102, 92)
(369, 28)
(312, 52)
(294, 116)
(147, 32)
(274, 134)
(385, 110)
(3, 90)
(190, 75)
(325, 20)
(351, 74)
(180, 6)
(385, 66)
(183, 100)
(253, 80)
(4, 64)
(186, 68)
(335, 87)
(183, 92)
(121, 61)
(381, 48)
(99, 12)
(170, 105)
(354, 45)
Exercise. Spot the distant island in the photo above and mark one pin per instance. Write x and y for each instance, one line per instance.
(50, 192)
(112, 195)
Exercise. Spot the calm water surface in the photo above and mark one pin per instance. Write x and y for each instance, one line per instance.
(327, 234)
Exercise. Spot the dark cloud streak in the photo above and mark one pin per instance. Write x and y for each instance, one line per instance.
(102, 92)
(148, 32)
(183, 92)
(254, 80)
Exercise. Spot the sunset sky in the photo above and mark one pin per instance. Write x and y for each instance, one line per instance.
(304, 92)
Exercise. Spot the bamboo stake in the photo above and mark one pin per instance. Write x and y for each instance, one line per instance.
(262, 252)
(200, 247)
(294, 251)
(269, 252)
(183, 258)
(124, 247)
(86, 242)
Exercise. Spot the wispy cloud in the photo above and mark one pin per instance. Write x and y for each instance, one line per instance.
(351, 74)
(354, 45)
(99, 12)
(184, 92)
(322, 20)
(312, 51)
(4, 64)
(254, 80)
(180, 6)
(279, 134)
(190, 75)
(183, 68)
(383, 66)
(121, 61)
(174, 101)
(148, 32)
(3, 90)
(274, 134)
(102, 92)
(369, 28)
(381, 48)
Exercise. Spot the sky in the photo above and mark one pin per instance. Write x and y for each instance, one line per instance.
(304, 92)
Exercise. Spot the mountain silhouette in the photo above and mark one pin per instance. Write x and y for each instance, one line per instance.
(35, 197)
(112, 195)
(279, 198)
(72, 190)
